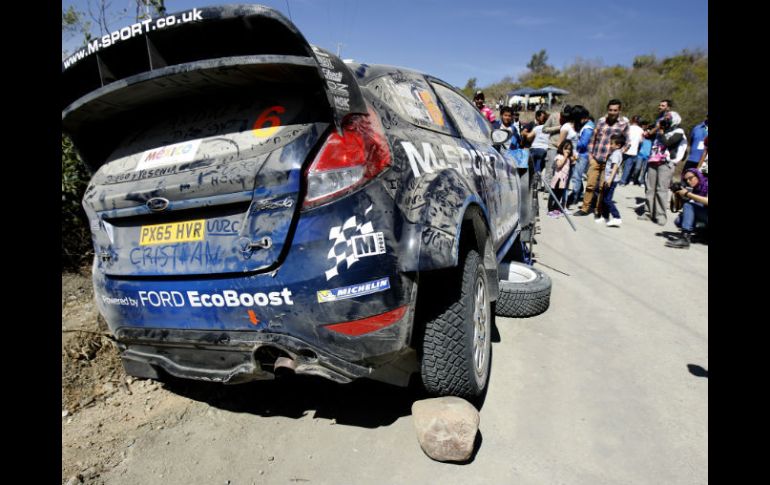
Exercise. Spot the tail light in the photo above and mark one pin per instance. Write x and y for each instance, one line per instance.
(347, 161)
(369, 324)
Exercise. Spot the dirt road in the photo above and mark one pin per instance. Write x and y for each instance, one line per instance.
(608, 386)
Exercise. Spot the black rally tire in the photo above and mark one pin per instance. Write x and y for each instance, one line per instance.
(525, 292)
(449, 358)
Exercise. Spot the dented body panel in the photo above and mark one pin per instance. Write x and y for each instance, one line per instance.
(209, 264)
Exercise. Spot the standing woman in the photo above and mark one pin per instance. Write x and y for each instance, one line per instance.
(668, 149)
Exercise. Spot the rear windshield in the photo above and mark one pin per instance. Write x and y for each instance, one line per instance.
(218, 128)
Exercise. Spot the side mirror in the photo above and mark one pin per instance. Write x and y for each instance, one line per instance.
(500, 136)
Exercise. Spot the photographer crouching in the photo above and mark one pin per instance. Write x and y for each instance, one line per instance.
(695, 193)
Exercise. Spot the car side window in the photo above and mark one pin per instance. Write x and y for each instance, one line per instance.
(471, 123)
(411, 97)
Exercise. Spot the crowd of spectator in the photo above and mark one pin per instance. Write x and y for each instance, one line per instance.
(583, 161)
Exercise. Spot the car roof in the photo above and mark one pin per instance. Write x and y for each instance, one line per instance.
(365, 72)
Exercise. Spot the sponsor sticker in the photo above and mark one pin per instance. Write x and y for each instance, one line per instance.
(433, 109)
(353, 291)
(175, 232)
(195, 299)
(352, 241)
(171, 154)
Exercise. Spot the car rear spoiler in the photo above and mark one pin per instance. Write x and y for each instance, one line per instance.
(187, 52)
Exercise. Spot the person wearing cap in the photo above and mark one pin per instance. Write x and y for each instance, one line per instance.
(478, 100)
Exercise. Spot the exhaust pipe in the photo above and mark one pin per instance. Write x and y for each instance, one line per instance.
(284, 363)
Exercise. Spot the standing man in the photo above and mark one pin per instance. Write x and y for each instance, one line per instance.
(664, 107)
(506, 123)
(599, 150)
(697, 137)
(478, 100)
(539, 142)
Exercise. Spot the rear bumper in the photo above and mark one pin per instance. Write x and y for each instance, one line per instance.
(341, 270)
(228, 357)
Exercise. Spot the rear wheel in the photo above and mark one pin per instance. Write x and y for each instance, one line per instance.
(457, 347)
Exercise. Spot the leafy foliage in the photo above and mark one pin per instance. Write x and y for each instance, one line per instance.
(682, 78)
(76, 238)
(470, 88)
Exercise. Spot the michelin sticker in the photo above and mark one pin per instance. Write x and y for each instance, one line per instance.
(353, 241)
(354, 291)
(177, 153)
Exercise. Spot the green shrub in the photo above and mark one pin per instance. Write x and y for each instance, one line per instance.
(76, 248)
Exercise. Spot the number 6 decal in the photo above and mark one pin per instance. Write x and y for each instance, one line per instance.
(268, 117)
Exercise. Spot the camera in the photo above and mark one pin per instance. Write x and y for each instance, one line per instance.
(677, 186)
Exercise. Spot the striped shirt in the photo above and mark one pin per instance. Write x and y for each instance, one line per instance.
(599, 147)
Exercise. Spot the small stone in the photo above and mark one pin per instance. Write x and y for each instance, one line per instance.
(108, 388)
(446, 427)
(168, 442)
(65, 413)
(129, 380)
(270, 458)
(69, 420)
(333, 421)
(116, 403)
(74, 481)
(262, 472)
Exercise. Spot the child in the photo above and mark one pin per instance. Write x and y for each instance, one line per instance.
(611, 181)
(564, 158)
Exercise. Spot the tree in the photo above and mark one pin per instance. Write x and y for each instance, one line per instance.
(470, 88)
(538, 63)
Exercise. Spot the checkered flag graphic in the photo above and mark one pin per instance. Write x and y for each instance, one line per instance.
(342, 247)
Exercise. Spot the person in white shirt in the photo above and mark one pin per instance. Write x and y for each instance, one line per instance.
(539, 141)
(635, 134)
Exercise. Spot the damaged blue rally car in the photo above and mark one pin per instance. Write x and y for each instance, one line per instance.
(257, 205)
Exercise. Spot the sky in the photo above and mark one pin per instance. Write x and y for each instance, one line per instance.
(457, 40)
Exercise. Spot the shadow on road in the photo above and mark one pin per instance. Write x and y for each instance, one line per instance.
(698, 238)
(698, 371)
(363, 403)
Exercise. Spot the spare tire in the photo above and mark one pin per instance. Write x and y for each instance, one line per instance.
(525, 292)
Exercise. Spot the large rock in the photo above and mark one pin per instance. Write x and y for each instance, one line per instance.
(446, 427)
